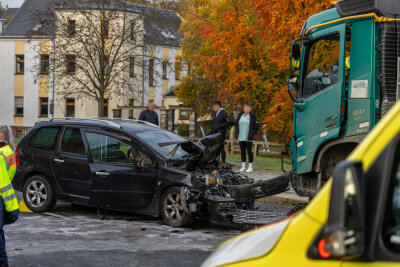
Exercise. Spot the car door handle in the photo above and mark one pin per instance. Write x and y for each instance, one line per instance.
(59, 160)
(102, 173)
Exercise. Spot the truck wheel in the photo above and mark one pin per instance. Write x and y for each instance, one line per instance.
(172, 210)
(38, 194)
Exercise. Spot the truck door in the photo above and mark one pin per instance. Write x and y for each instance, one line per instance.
(124, 176)
(317, 112)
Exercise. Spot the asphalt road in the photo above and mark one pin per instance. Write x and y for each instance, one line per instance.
(74, 236)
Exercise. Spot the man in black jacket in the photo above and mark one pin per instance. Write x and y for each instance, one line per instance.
(220, 123)
(149, 114)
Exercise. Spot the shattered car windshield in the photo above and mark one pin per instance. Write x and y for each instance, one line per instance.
(165, 143)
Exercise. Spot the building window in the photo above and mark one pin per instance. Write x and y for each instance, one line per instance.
(71, 28)
(19, 106)
(70, 107)
(178, 66)
(44, 107)
(105, 28)
(131, 67)
(117, 113)
(164, 69)
(106, 108)
(71, 60)
(151, 72)
(131, 114)
(44, 64)
(184, 114)
(19, 60)
(131, 102)
(133, 31)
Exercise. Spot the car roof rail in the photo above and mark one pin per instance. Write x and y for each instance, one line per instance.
(136, 121)
(108, 122)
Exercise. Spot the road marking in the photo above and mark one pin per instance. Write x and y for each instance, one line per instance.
(55, 215)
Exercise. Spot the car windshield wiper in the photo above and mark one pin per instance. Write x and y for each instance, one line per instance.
(172, 143)
(173, 151)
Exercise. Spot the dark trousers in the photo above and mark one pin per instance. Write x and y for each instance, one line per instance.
(221, 150)
(246, 146)
(3, 254)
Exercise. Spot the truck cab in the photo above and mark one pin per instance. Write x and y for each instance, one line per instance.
(344, 75)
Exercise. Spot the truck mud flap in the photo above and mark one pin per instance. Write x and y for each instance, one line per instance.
(249, 192)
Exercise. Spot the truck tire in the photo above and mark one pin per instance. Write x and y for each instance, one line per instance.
(38, 194)
(172, 210)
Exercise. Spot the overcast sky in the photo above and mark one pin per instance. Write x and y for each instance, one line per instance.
(12, 3)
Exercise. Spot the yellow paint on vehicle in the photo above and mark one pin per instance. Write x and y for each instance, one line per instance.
(378, 138)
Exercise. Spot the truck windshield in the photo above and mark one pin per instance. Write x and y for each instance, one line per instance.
(165, 143)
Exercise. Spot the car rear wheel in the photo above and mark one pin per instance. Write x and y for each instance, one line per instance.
(172, 209)
(38, 194)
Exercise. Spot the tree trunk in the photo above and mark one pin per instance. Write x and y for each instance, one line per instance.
(100, 102)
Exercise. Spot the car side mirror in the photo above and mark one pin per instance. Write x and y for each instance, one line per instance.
(344, 231)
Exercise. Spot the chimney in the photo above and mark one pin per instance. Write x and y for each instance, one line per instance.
(1, 25)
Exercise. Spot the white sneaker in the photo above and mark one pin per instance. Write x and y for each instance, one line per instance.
(242, 169)
(250, 170)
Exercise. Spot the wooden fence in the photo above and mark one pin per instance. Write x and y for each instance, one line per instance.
(231, 146)
(259, 147)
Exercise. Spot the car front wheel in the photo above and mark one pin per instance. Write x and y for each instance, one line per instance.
(38, 194)
(172, 209)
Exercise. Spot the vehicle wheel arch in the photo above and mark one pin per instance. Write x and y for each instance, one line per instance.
(332, 145)
(31, 174)
(161, 192)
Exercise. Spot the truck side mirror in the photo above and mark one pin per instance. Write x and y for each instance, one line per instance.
(344, 231)
(293, 83)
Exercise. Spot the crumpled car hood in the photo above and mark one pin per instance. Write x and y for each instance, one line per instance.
(209, 146)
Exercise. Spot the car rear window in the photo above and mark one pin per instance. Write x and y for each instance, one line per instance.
(44, 138)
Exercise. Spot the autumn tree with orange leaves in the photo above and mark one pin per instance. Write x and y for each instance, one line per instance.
(237, 51)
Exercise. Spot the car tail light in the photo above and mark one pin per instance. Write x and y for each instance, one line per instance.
(16, 156)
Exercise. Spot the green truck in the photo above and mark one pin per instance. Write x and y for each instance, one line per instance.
(344, 76)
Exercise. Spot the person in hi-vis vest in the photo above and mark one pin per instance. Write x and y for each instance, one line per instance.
(9, 209)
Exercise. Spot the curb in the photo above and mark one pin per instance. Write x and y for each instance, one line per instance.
(285, 199)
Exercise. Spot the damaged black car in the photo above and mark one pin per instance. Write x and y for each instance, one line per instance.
(137, 167)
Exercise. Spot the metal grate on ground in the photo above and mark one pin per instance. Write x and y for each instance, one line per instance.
(258, 217)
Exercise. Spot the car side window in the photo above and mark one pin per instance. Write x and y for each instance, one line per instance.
(107, 149)
(139, 158)
(391, 229)
(44, 138)
(323, 65)
(72, 142)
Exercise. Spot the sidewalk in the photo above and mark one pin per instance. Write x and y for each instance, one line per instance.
(285, 198)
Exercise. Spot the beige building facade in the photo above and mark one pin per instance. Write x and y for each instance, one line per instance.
(29, 96)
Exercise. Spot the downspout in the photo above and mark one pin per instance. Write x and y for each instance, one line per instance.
(51, 83)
